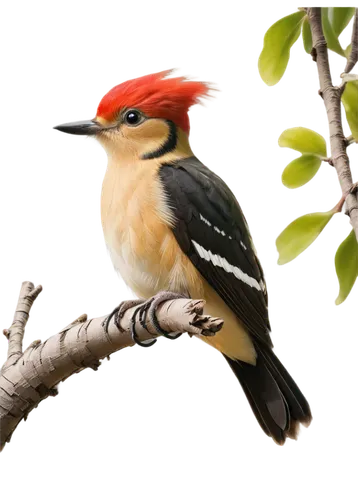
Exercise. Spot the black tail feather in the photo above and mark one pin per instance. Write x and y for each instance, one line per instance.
(275, 399)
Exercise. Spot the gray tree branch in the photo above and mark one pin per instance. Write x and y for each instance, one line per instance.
(353, 56)
(29, 377)
(15, 333)
(332, 100)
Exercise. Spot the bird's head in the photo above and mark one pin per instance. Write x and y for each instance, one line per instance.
(144, 117)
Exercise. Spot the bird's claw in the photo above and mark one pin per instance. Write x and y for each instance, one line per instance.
(118, 313)
(142, 311)
(155, 302)
(147, 310)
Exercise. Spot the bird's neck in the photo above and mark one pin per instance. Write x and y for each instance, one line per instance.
(124, 155)
(131, 188)
(181, 150)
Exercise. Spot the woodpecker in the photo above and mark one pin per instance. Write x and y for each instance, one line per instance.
(172, 226)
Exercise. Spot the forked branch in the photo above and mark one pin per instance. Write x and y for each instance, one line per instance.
(29, 377)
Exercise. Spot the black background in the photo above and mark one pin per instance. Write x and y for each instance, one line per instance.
(173, 395)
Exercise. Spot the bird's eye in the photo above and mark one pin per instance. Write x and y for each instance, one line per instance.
(132, 117)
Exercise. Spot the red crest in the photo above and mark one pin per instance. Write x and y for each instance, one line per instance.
(157, 96)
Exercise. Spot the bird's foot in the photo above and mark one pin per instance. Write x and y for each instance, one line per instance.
(147, 310)
(118, 313)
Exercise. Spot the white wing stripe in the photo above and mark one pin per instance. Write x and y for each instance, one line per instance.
(205, 220)
(214, 227)
(224, 264)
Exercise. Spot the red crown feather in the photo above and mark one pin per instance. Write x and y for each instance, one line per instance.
(155, 95)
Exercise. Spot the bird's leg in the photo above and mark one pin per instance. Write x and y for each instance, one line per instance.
(146, 309)
(154, 303)
(149, 307)
(119, 311)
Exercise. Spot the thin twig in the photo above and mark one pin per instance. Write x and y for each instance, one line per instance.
(346, 77)
(332, 100)
(28, 294)
(350, 140)
(353, 59)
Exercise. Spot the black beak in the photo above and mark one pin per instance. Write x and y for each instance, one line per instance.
(87, 127)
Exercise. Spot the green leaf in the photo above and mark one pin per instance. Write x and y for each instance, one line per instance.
(329, 33)
(339, 18)
(278, 41)
(346, 261)
(307, 35)
(300, 234)
(350, 103)
(348, 50)
(300, 171)
(304, 140)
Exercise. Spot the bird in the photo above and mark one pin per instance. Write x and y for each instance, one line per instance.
(174, 228)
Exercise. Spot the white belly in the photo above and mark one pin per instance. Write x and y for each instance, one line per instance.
(144, 278)
(162, 267)
(137, 222)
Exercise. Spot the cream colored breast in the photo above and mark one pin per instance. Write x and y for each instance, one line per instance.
(137, 223)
